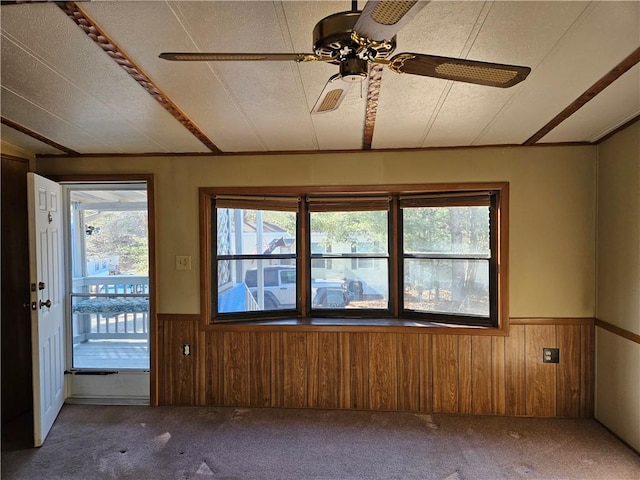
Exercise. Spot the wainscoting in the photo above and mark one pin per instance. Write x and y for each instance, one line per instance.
(265, 366)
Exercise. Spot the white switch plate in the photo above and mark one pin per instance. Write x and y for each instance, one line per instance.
(183, 262)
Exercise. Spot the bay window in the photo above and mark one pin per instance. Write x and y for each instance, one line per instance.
(410, 255)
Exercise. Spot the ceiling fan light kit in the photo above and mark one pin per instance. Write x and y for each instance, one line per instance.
(353, 40)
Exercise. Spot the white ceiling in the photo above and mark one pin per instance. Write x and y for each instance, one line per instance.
(60, 86)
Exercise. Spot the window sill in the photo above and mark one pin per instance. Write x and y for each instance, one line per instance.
(356, 325)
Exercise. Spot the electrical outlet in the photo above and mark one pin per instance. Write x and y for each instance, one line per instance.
(550, 355)
(183, 262)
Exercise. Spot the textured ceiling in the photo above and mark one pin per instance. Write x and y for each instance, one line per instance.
(62, 93)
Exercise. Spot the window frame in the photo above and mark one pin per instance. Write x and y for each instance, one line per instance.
(458, 199)
(396, 316)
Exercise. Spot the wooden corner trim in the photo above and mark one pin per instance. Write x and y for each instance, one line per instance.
(373, 94)
(621, 332)
(587, 321)
(587, 96)
(36, 136)
(116, 53)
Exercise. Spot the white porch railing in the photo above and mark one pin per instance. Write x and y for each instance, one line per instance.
(114, 307)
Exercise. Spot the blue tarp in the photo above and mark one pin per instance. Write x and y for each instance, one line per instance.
(232, 300)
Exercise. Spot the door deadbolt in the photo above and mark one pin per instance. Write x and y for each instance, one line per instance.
(45, 304)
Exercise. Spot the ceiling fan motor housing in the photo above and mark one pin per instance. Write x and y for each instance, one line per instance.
(333, 38)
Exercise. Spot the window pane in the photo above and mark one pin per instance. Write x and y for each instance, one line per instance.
(344, 284)
(446, 230)
(251, 232)
(349, 232)
(447, 286)
(256, 285)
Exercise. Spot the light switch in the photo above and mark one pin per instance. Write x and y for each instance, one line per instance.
(183, 262)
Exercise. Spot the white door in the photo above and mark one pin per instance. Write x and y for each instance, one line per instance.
(47, 293)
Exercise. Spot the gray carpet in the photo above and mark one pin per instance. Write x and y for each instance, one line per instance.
(100, 442)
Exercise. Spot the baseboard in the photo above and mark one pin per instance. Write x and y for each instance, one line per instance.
(622, 440)
(108, 401)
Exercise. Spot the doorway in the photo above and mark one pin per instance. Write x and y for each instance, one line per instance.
(109, 292)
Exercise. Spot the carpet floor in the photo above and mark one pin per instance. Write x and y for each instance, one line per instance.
(133, 442)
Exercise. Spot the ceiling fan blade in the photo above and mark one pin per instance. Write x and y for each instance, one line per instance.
(234, 57)
(458, 69)
(332, 95)
(381, 19)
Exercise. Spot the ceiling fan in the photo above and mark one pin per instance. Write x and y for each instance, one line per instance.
(354, 40)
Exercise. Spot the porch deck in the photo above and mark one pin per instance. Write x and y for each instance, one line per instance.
(111, 354)
(111, 322)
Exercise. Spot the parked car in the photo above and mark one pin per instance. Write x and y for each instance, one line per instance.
(279, 286)
(330, 297)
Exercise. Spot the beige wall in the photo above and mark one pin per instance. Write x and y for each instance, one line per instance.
(618, 284)
(552, 220)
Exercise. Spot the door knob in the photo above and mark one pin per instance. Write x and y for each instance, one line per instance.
(45, 304)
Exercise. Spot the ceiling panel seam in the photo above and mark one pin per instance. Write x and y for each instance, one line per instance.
(614, 126)
(464, 53)
(33, 54)
(54, 115)
(281, 15)
(74, 12)
(578, 20)
(587, 96)
(181, 18)
(37, 136)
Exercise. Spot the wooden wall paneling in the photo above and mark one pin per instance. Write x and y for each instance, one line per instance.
(540, 377)
(162, 366)
(481, 375)
(568, 371)
(383, 373)
(445, 373)
(294, 347)
(498, 377)
(426, 379)
(260, 369)
(312, 369)
(179, 380)
(201, 365)
(236, 356)
(344, 370)
(214, 378)
(328, 371)
(409, 372)
(277, 370)
(464, 374)
(515, 371)
(359, 370)
(587, 370)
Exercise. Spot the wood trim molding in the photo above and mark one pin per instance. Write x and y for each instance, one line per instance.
(373, 94)
(36, 136)
(621, 332)
(149, 179)
(382, 325)
(551, 321)
(112, 49)
(14, 158)
(178, 317)
(315, 152)
(587, 96)
(618, 130)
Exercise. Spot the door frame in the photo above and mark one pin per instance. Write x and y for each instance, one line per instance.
(149, 179)
(17, 386)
